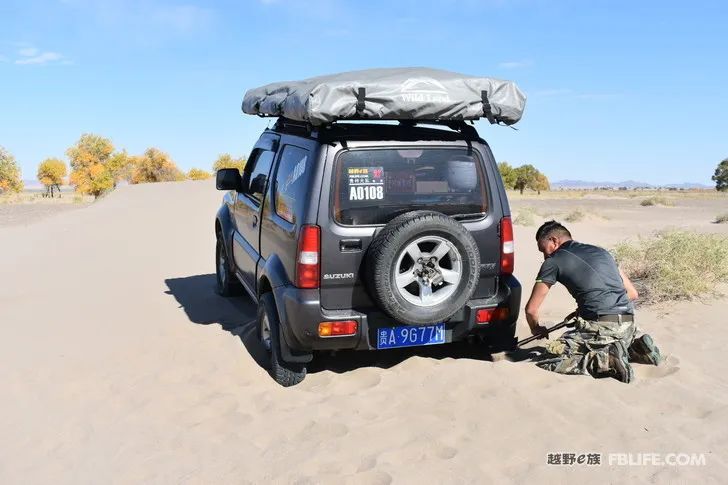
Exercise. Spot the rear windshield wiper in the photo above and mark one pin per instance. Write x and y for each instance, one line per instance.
(465, 217)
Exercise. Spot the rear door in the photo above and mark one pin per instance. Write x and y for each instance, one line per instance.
(371, 184)
(248, 208)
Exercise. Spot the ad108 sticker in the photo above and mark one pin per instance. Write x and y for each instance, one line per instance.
(366, 183)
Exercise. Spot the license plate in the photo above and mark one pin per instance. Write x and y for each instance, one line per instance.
(410, 336)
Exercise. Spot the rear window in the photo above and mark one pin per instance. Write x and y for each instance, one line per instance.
(375, 186)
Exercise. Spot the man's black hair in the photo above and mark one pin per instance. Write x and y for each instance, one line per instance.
(551, 228)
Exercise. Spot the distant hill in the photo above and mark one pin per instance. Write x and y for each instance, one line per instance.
(630, 184)
(32, 184)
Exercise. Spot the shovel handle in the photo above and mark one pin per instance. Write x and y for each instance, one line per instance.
(548, 330)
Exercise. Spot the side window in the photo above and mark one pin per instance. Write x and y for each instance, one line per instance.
(256, 174)
(290, 183)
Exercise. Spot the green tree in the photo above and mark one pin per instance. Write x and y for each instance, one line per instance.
(155, 166)
(508, 174)
(721, 176)
(89, 170)
(526, 176)
(227, 161)
(10, 180)
(50, 173)
(198, 174)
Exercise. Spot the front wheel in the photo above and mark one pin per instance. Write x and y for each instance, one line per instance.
(227, 282)
(284, 373)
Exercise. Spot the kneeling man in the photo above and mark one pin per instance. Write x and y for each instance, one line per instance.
(603, 341)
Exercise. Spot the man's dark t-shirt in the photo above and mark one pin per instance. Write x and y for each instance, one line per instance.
(592, 277)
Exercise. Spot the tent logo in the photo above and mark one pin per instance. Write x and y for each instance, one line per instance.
(423, 89)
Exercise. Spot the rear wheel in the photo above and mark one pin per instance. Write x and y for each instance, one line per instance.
(284, 373)
(227, 282)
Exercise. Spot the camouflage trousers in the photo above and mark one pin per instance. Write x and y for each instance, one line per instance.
(585, 349)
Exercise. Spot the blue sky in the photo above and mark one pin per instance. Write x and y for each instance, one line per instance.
(616, 89)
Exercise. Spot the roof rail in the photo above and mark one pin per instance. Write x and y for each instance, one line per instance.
(285, 125)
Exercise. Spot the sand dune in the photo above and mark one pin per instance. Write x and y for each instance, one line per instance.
(119, 364)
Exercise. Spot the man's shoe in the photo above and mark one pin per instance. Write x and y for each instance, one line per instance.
(619, 363)
(644, 351)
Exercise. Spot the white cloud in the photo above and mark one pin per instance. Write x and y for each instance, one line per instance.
(598, 96)
(143, 18)
(570, 93)
(553, 92)
(515, 64)
(31, 55)
(28, 52)
(182, 18)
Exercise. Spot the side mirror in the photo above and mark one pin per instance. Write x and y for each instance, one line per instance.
(228, 179)
(257, 186)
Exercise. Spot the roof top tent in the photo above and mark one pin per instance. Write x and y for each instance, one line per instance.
(418, 94)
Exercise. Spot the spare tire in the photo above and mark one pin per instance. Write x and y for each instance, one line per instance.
(422, 267)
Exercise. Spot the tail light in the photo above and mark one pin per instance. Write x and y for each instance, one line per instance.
(334, 329)
(507, 246)
(486, 315)
(309, 252)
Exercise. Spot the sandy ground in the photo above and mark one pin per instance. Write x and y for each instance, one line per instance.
(25, 214)
(119, 364)
(30, 207)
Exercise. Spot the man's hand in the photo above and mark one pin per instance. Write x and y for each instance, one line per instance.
(540, 331)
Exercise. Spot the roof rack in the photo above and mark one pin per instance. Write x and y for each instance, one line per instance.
(364, 128)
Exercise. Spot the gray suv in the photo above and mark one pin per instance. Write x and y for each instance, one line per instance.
(368, 236)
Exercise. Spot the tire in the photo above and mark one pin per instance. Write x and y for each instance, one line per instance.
(414, 239)
(227, 282)
(284, 373)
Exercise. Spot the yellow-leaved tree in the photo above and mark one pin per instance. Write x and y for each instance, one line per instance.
(198, 174)
(89, 158)
(121, 167)
(155, 166)
(542, 183)
(227, 161)
(50, 173)
(10, 180)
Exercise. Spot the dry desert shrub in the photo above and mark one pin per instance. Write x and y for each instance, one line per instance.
(675, 265)
(722, 219)
(656, 200)
(525, 217)
(198, 174)
(575, 216)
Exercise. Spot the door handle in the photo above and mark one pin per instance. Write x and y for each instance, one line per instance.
(350, 245)
(255, 221)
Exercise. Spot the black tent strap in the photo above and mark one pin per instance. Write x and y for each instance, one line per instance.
(486, 107)
(360, 99)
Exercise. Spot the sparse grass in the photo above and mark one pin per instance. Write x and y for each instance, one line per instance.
(619, 194)
(722, 219)
(36, 197)
(675, 265)
(575, 216)
(526, 217)
(656, 200)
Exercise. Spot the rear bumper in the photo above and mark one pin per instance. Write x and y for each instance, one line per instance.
(300, 313)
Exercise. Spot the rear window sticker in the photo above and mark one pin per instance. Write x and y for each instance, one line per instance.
(366, 183)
